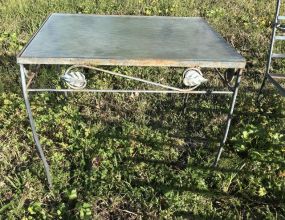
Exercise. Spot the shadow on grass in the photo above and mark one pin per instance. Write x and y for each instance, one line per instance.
(191, 215)
(177, 165)
(162, 188)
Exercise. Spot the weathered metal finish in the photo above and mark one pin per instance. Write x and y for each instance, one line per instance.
(33, 126)
(230, 116)
(129, 41)
(131, 91)
(132, 62)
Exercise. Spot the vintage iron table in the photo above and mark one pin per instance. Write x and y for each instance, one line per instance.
(92, 40)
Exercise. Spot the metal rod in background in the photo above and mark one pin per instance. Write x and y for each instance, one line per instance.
(32, 123)
(260, 90)
(270, 50)
(229, 119)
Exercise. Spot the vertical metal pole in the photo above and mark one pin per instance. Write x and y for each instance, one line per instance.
(229, 119)
(32, 123)
(271, 49)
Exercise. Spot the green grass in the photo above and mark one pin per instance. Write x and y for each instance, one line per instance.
(139, 156)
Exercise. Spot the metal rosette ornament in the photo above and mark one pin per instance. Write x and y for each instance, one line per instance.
(193, 77)
(74, 80)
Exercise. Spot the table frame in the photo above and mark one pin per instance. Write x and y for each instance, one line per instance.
(25, 88)
(237, 63)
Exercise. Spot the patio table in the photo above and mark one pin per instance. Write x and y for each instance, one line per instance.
(95, 41)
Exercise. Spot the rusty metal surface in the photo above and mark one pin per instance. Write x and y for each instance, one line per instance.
(129, 41)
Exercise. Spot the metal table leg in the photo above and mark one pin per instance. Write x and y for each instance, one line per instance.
(32, 123)
(229, 118)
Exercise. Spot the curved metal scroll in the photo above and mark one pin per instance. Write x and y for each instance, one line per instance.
(132, 78)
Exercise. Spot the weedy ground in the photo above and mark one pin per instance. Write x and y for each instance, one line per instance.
(142, 156)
